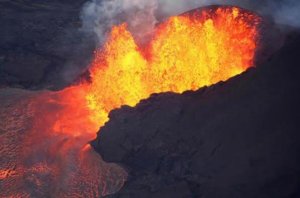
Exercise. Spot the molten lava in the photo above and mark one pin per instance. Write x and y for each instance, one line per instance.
(186, 52)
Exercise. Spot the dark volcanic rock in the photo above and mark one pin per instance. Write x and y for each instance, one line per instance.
(235, 139)
(39, 40)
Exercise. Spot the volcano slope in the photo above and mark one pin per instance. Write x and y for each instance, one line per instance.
(39, 40)
(234, 139)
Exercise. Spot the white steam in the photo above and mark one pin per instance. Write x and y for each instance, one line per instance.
(98, 16)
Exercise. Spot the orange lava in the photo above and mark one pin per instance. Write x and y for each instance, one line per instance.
(185, 53)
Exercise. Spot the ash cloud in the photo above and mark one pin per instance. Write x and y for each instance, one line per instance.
(98, 16)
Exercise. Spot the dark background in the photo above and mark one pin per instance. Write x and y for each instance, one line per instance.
(39, 40)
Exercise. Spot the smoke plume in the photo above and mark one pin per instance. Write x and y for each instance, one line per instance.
(98, 16)
(141, 15)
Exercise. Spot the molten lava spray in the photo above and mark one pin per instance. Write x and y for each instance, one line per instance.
(186, 52)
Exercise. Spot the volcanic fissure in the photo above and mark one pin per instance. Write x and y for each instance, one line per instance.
(186, 52)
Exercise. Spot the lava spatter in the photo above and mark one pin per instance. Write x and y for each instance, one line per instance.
(186, 52)
(45, 145)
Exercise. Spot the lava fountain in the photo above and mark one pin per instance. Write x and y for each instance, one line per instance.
(186, 52)
(43, 135)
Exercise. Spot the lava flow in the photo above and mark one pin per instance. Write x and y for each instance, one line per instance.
(43, 135)
(186, 52)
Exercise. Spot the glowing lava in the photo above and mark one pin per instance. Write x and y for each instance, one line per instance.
(186, 52)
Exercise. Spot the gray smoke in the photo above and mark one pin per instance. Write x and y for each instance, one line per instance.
(99, 16)
(285, 12)
(141, 15)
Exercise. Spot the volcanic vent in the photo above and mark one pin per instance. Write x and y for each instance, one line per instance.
(186, 52)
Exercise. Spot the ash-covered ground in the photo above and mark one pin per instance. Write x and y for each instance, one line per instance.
(239, 138)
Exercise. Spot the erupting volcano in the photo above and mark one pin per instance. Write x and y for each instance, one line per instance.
(147, 114)
(186, 52)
